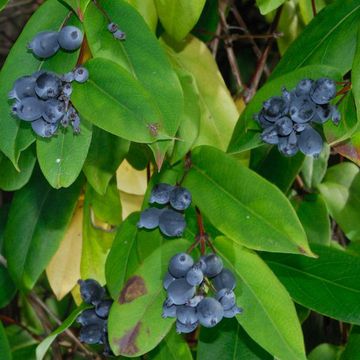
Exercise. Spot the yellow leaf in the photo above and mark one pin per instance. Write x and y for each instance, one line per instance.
(130, 203)
(63, 270)
(130, 180)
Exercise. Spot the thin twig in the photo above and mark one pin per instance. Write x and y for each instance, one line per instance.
(35, 299)
(255, 80)
(313, 7)
(229, 47)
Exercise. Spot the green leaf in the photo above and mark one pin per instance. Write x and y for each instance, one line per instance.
(314, 169)
(97, 240)
(106, 153)
(135, 324)
(44, 346)
(329, 285)
(3, 3)
(179, 17)
(147, 10)
(325, 351)
(62, 156)
(79, 6)
(246, 133)
(242, 205)
(278, 169)
(147, 63)
(107, 207)
(12, 179)
(190, 119)
(4, 344)
(229, 341)
(329, 39)
(353, 345)
(306, 10)
(341, 190)
(7, 286)
(173, 347)
(33, 233)
(16, 135)
(267, 6)
(131, 112)
(274, 325)
(123, 251)
(348, 124)
(314, 216)
(218, 110)
(355, 75)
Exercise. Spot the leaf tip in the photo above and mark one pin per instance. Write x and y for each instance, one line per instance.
(307, 252)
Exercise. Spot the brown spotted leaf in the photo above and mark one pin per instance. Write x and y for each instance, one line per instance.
(135, 323)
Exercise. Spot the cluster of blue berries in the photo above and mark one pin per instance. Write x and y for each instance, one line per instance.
(117, 33)
(94, 321)
(170, 220)
(43, 99)
(47, 43)
(287, 120)
(188, 283)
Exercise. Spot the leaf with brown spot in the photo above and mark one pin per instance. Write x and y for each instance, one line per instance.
(127, 343)
(133, 288)
(126, 336)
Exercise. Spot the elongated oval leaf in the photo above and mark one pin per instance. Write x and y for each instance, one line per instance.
(4, 344)
(218, 112)
(229, 341)
(242, 205)
(12, 179)
(105, 155)
(38, 219)
(44, 346)
(15, 135)
(147, 9)
(341, 190)
(62, 157)
(131, 112)
(141, 55)
(329, 39)
(179, 17)
(269, 315)
(8, 289)
(246, 133)
(135, 323)
(329, 285)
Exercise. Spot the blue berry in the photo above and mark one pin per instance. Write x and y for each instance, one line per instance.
(149, 218)
(274, 108)
(172, 223)
(102, 309)
(304, 87)
(214, 265)
(91, 334)
(89, 317)
(310, 142)
(43, 128)
(112, 27)
(180, 292)
(70, 38)
(160, 193)
(225, 279)
(91, 291)
(48, 85)
(323, 90)
(29, 108)
(180, 264)
(169, 310)
(226, 298)
(185, 328)
(45, 44)
(209, 312)
(119, 35)
(180, 198)
(284, 126)
(168, 279)
(232, 312)
(81, 74)
(270, 135)
(302, 109)
(195, 276)
(23, 87)
(186, 314)
(54, 110)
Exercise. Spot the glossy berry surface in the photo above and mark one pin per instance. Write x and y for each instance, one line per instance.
(210, 312)
(81, 74)
(48, 85)
(195, 276)
(29, 108)
(54, 110)
(70, 38)
(172, 223)
(45, 44)
(160, 193)
(180, 198)
(225, 279)
(23, 87)
(149, 218)
(180, 264)
(91, 291)
(214, 265)
(179, 291)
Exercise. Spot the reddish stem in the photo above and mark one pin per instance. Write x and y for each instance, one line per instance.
(313, 6)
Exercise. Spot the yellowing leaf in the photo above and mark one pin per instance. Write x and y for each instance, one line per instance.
(179, 16)
(130, 203)
(218, 110)
(130, 180)
(63, 270)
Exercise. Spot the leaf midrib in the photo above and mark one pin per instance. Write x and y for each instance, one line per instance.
(326, 36)
(200, 171)
(262, 306)
(339, 285)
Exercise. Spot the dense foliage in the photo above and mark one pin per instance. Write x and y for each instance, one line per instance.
(171, 187)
